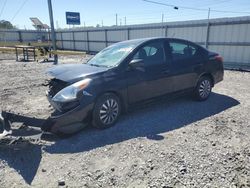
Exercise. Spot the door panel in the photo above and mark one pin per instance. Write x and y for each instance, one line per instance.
(184, 64)
(137, 85)
(158, 80)
(153, 79)
(183, 76)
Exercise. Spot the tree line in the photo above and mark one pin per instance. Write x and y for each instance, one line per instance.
(4, 24)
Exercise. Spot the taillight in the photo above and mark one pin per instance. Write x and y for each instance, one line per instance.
(218, 58)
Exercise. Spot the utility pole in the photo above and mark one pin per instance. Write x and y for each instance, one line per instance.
(120, 22)
(208, 15)
(207, 35)
(125, 20)
(102, 23)
(116, 20)
(162, 20)
(57, 24)
(53, 34)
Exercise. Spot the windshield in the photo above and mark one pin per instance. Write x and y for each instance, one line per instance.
(112, 55)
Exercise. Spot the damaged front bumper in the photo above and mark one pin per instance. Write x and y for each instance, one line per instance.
(70, 121)
(31, 128)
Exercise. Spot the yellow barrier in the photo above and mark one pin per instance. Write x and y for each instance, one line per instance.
(59, 52)
(10, 44)
(66, 52)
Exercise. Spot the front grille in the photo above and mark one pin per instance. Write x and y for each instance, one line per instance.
(55, 86)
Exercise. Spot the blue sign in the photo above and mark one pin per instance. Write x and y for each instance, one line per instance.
(73, 18)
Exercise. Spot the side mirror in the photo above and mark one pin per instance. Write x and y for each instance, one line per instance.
(136, 63)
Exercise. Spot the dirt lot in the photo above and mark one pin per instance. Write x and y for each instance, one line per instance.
(178, 143)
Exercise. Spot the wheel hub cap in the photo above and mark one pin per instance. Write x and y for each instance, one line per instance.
(204, 88)
(109, 111)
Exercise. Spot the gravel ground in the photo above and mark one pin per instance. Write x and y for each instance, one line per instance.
(177, 143)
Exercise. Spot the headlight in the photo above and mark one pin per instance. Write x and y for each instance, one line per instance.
(70, 93)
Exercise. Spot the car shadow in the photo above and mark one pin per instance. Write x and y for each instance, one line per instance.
(25, 160)
(149, 121)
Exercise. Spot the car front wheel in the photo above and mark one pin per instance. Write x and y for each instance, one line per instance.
(203, 88)
(106, 111)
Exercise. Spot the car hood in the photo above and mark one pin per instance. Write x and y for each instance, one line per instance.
(73, 72)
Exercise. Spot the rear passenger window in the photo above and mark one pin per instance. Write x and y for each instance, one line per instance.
(181, 50)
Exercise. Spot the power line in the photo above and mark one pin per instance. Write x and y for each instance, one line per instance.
(217, 3)
(17, 12)
(234, 12)
(192, 8)
(174, 6)
(3, 7)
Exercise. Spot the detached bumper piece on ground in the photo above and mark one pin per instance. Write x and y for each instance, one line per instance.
(16, 128)
(19, 130)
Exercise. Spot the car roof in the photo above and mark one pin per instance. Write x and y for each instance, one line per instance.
(142, 40)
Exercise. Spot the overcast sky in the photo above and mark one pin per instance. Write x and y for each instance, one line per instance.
(95, 12)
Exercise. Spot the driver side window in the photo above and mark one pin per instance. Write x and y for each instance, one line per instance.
(151, 54)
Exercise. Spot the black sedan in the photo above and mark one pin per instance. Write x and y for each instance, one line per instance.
(127, 73)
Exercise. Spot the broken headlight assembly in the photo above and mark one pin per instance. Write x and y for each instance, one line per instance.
(69, 93)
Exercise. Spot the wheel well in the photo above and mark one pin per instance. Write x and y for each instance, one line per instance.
(209, 75)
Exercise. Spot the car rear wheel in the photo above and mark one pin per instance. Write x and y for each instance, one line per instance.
(203, 88)
(106, 111)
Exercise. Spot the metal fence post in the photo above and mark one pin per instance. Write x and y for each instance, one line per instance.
(106, 37)
(128, 33)
(74, 44)
(166, 31)
(62, 40)
(20, 36)
(207, 35)
(87, 41)
(49, 36)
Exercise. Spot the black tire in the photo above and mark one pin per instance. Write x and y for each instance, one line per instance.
(106, 111)
(203, 88)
